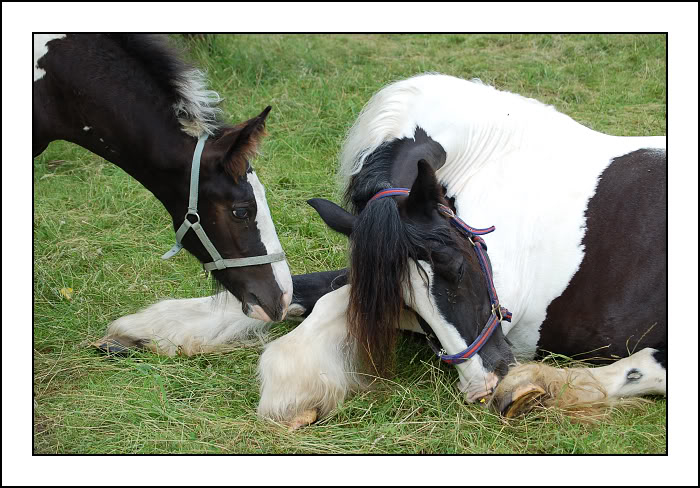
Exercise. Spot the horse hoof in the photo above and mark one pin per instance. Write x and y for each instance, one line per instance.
(116, 345)
(518, 401)
(307, 417)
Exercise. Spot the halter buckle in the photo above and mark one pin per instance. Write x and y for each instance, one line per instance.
(496, 310)
(446, 211)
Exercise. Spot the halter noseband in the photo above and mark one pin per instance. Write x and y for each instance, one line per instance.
(498, 313)
(217, 261)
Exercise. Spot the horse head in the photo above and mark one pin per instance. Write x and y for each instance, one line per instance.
(232, 211)
(406, 252)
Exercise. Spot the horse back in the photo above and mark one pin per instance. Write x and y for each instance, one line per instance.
(617, 302)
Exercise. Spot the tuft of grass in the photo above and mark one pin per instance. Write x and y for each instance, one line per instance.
(99, 232)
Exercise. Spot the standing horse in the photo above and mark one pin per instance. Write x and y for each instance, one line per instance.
(131, 100)
(572, 257)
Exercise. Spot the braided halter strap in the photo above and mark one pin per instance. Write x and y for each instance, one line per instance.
(498, 313)
(217, 261)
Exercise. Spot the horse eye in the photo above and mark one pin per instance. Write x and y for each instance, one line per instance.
(240, 212)
(461, 273)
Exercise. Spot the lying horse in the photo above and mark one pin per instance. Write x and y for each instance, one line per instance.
(572, 258)
(131, 100)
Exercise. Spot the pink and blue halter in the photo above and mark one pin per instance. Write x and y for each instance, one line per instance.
(498, 313)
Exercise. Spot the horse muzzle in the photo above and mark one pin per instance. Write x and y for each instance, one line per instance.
(476, 390)
(255, 308)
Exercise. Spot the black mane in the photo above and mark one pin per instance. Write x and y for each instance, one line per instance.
(373, 177)
(382, 246)
(158, 57)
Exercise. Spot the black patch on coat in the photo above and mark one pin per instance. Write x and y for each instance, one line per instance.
(618, 296)
(661, 357)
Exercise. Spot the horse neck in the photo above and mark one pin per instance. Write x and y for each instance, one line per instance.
(494, 156)
(117, 110)
(157, 155)
(150, 145)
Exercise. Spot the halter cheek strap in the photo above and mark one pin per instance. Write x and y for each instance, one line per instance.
(217, 261)
(498, 313)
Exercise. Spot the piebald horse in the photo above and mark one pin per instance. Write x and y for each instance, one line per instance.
(575, 255)
(132, 100)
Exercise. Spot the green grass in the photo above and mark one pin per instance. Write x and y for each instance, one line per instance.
(99, 232)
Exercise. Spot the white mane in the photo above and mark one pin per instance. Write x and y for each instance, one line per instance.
(197, 109)
(473, 122)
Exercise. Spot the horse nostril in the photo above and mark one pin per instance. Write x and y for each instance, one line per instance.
(253, 309)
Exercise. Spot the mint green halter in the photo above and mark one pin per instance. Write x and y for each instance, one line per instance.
(217, 261)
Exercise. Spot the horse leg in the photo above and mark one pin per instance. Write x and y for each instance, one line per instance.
(200, 325)
(185, 326)
(642, 373)
(307, 372)
(309, 288)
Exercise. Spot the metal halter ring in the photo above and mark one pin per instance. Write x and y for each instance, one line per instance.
(192, 212)
(496, 310)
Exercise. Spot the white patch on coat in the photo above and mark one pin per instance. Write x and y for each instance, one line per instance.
(311, 367)
(40, 50)
(189, 325)
(268, 234)
(648, 376)
(512, 162)
(86, 128)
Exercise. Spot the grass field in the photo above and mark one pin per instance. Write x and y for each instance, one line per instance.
(100, 233)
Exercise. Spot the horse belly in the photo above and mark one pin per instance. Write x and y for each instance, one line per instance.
(616, 301)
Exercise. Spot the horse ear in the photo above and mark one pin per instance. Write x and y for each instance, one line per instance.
(425, 190)
(242, 143)
(334, 216)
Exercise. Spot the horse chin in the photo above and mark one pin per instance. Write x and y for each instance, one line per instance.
(256, 312)
(250, 304)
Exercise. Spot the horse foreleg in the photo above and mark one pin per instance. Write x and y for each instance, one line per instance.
(309, 288)
(642, 373)
(199, 325)
(184, 326)
(307, 372)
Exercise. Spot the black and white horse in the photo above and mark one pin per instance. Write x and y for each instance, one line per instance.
(578, 254)
(131, 100)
